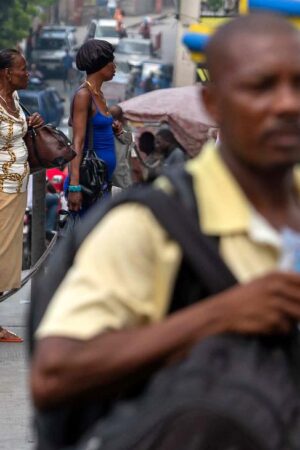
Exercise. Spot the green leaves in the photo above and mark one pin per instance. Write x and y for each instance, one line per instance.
(16, 19)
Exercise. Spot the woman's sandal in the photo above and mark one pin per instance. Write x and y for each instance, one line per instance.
(9, 336)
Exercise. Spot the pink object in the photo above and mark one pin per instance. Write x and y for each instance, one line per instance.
(180, 107)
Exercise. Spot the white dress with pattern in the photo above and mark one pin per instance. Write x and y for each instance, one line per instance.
(14, 168)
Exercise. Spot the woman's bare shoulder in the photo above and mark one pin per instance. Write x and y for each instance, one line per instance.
(82, 96)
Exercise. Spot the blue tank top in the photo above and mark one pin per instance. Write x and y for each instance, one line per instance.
(104, 144)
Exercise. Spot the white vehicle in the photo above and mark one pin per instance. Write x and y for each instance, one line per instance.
(51, 46)
(132, 52)
(105, 29)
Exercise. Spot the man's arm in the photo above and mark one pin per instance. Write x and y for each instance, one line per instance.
(125, 137)
(72, 367)
(64, 368)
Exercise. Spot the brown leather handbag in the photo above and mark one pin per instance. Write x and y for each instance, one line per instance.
(47, 147)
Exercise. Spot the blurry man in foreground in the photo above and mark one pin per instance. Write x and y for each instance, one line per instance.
(110, 317)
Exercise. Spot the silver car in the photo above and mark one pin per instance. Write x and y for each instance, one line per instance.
(51, 47)
(132, 52)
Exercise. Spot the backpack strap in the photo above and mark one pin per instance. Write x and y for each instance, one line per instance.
(199, 249)
(173, 215)
(183, 184)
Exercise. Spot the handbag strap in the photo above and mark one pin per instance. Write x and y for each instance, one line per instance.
(90, 126)
(26, 110)
(32, 134)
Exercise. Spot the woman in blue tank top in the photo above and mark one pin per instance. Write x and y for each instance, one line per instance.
(89, 108)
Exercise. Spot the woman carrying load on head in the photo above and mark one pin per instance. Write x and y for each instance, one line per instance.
(89, 108)
(14, 172)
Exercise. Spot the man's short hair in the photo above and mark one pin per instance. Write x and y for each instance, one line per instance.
(220, 44)
(167, 135)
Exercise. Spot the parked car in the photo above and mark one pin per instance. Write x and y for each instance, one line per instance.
(70, 30)
(45, 101)
(51, 46)
(132, 52)
(105, 29)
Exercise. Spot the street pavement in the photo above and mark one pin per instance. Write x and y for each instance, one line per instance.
(15, 419)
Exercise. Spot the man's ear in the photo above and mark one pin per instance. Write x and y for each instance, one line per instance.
(209, 99)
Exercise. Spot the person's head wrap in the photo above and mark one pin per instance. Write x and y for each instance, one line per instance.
(93, 55)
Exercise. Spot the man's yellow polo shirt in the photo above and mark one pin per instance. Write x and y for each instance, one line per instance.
(125, 271)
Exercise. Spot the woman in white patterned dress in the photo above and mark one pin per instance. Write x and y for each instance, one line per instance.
(14, 172)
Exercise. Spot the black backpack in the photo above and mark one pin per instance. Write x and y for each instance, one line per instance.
(249, 381)
(243, 381)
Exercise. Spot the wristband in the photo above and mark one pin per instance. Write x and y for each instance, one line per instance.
(73, 188)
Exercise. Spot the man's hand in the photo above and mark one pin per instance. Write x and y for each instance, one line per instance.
(117, 127)
(267, 305)
(74, 201)
(270, 304)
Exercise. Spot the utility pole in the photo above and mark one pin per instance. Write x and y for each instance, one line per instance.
(185, 71)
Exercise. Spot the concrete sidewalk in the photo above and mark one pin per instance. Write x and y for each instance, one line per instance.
(15, 418)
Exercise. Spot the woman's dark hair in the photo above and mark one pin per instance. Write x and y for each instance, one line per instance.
(93, 55)
(7, 56)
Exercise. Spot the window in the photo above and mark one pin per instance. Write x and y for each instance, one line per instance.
(219, 8)
(103, 32)
(51, 44)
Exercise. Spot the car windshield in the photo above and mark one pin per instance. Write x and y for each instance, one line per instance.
(139, 48)
(106, 32)
(50, 44)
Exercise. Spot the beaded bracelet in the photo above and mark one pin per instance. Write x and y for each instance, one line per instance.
(74, 188)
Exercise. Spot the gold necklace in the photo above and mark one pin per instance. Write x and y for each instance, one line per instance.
(9, 107)
(98, 94)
